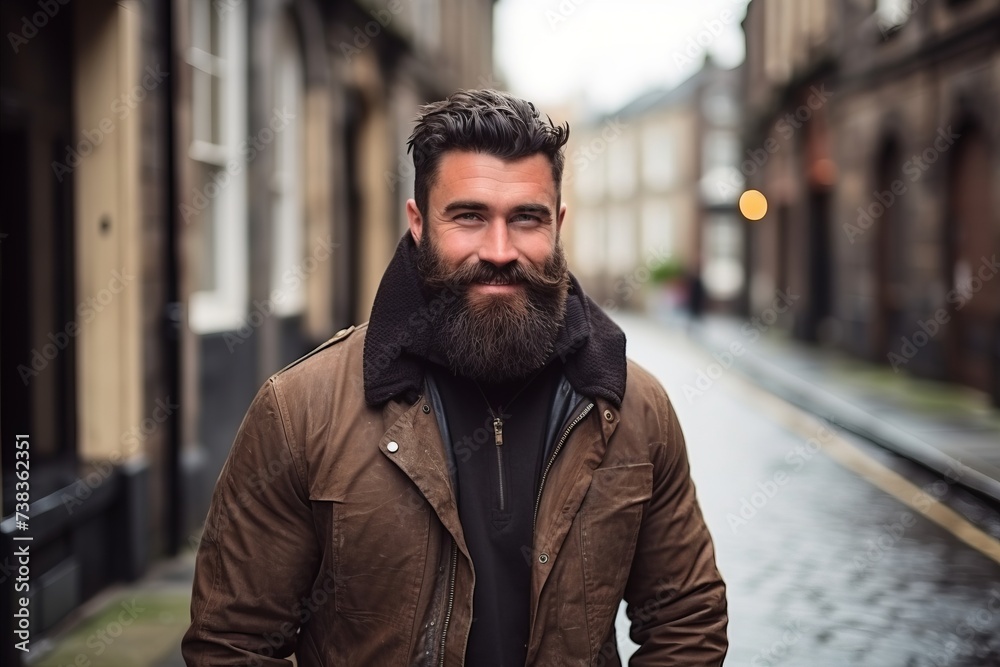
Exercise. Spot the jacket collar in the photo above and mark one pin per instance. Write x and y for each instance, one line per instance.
(401, 327)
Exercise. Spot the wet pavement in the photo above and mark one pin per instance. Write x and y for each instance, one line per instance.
(823, 567)
(939, 424)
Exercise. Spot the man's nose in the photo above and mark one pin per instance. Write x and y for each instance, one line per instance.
(497, 247)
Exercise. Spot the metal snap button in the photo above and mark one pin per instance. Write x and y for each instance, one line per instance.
(608, 415)
(543, 558)
(392, 446)
(426, 408)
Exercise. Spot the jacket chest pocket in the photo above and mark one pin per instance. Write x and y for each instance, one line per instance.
(610, 517)
(377, 541)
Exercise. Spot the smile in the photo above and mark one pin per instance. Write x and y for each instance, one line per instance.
(496, 286)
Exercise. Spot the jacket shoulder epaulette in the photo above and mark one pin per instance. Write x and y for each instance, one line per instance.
(336, 338)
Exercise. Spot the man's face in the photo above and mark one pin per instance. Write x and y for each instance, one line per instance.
(492, 234)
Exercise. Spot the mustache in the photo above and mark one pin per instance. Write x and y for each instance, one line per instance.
(509, 274)
(548, 277)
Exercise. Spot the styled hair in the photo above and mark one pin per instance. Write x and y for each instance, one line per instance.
(482, 121)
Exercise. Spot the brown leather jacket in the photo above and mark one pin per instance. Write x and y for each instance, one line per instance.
(334, 534)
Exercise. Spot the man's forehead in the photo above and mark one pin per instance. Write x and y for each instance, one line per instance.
(458, 170)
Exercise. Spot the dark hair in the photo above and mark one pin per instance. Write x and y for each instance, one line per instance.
(484, 121)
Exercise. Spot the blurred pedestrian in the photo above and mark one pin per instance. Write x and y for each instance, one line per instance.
(477, 475)
(695, 294)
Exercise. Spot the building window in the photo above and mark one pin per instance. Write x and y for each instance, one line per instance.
(721, 149)
(588, 240)
(721, 180)
(621, 167)
(427, 24)
(217, 57)
(891, 14)
(286, 185)
(657, 227)
(621, 240)
(720, 108)
(587, 171)
(722, 259)
(659, 157)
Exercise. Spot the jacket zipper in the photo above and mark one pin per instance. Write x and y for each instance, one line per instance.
(498, 435)
(555, 453)
(451, 598)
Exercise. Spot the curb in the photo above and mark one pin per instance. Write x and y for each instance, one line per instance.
(814, 400)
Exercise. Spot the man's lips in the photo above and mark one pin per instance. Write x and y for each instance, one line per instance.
(495, 287)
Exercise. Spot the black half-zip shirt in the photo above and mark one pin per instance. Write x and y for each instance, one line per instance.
(497, 488)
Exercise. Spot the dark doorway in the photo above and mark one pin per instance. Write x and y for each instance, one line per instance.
(819, 304)
(783, 261)
(972, 239)
(889, 257)
(36, 255)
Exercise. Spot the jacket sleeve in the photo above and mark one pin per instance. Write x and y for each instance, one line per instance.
(676, 598)
(258, 556)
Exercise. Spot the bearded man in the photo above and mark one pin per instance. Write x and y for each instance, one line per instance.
(477, 475)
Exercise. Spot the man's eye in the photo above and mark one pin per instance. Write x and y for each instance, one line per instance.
(467, 216)
(526, 217)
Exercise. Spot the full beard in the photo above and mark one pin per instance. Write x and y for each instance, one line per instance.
(496, 337)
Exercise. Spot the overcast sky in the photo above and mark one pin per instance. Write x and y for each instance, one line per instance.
(604, 53)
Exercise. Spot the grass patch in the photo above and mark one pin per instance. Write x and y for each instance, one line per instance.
(156, 623)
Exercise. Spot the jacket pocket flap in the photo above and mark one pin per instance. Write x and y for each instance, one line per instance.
(623, 486)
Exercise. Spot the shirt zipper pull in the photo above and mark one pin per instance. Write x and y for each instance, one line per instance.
(498, 430)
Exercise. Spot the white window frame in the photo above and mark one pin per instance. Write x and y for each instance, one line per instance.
(621, 167)
(588, 170)
(622, 240)
(722, 256)
(588, 225)
(893, 13)
(426, 24)
(660, 155)
(224, 307)
(658, 226)
(288, 217)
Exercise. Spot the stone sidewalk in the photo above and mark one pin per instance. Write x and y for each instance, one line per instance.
(950, 429)
(131, 625)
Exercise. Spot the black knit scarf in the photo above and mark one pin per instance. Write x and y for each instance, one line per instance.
(403, 320)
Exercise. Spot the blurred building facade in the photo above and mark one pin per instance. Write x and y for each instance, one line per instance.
(876, 126)
(197, 192)
(657, 183)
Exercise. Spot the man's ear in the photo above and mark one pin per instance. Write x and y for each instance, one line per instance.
(416, 221)
(560, 217)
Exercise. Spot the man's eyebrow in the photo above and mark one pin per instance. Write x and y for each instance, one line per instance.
(465, 206)
(540, 209)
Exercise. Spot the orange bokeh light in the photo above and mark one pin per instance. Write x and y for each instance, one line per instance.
(753, 205)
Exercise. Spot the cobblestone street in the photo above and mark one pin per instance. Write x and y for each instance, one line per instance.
(823, 566)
